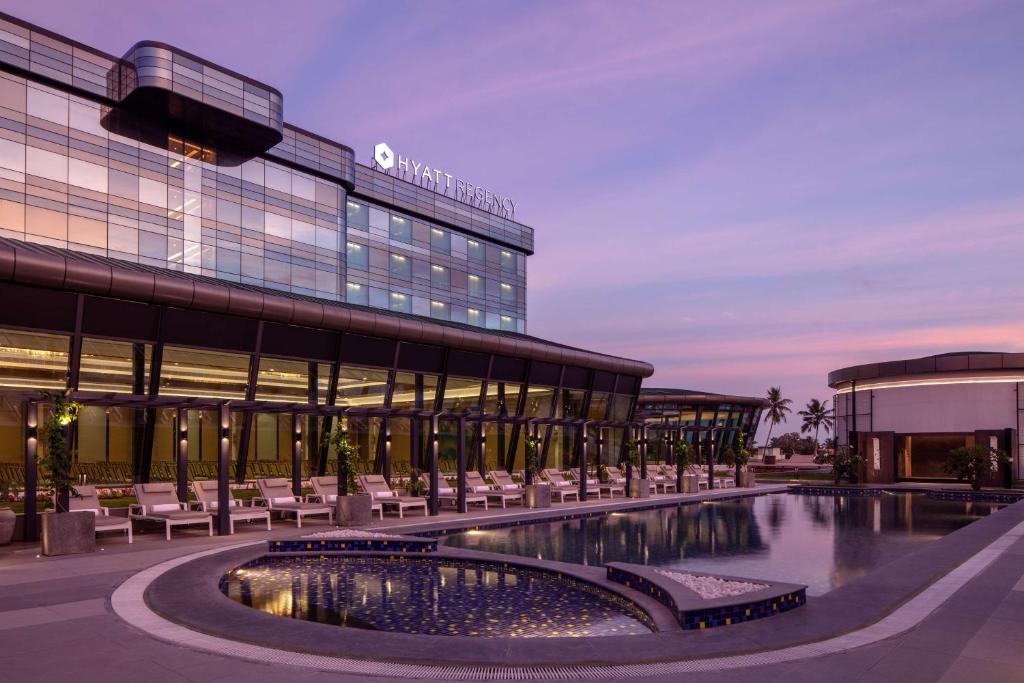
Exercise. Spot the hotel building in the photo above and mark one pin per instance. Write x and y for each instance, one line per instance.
(199, 272)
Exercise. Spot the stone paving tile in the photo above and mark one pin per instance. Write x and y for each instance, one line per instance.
(971, 670)
(909, 665)
(996, 648)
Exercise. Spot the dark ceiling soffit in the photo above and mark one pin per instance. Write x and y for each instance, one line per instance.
(942, 363)
(21, 264)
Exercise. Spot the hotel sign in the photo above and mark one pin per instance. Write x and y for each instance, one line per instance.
(433, 178)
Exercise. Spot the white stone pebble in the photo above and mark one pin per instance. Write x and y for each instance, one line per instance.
(710, 587)
(349, 533)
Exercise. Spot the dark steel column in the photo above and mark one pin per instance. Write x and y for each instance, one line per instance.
(582, 459)
(676, 437)
(138, 414)
(643, 452)
(323, 448)
(149, 432)
(182, 471)
(433, 503)
(223, 464)
(75, 349)
(31, 530)
(711, 459)
(297, 453)
(312, 425)
(250, 394)
(482, 452)
(460, 457)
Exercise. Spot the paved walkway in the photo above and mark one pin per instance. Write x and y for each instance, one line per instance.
(56, 624)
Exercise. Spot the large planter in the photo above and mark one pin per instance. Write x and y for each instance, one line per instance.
(747, 479)
(639, 488)
(355, 509)
(538, 496)
(691, 484)
(68, 533)
(7, 520)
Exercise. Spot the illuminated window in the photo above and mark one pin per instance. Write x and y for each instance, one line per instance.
(440, 277)
(401, 267)
(357, 256)
(401, 303)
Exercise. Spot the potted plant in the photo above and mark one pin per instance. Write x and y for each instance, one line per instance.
(537, 495)
(844, 463)
(352, 509)
(64, 532)
(635, 488)
(7, 516)
(744, 477)
(972, 463)
(417, 487)
(687, 481)
(602, 472)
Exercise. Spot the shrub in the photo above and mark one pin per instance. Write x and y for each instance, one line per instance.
(969, 463)
(844, 462)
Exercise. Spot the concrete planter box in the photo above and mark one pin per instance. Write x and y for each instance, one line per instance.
(639, 488)
(7, 521)
(354, 510)
(747, 479)
(67, 533)
(538, 496)
(691, 484)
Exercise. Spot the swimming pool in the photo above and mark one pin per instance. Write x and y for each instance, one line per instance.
(432, 596)
(821, 541)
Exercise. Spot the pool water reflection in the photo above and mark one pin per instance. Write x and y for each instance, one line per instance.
(431, 597)
(821, 541)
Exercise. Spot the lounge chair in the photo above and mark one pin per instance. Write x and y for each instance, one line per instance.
(661, 480)
(85, 498)
(276, 495)
(616, 475)
(206, 494)
(476, 484)
(446, 493)
(608, 487)
(504, 481)
(159, 503)
(560, 486)
(325, 491)
(377, 486)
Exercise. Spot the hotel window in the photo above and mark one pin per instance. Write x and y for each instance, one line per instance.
(282, 380)
(401, 229)
(474, 317)
(508, 323)
(203, 374)
(358, 215)
(476, 286)
(402, 303)
(401, 267)
(475, 251)
(357, 294)
(357, 256)
(439, 310)
(508, 293)
(33, 361)
(106, 366)
(440, 241)
(440, 277)
(508, 261)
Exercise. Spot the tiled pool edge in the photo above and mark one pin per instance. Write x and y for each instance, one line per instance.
(128, 603)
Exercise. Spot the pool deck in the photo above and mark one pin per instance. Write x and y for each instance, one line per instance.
(56, 621)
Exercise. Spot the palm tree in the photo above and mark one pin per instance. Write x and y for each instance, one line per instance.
(816, 415)
(777, 409)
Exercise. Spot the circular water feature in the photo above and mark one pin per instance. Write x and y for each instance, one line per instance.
(435, 596)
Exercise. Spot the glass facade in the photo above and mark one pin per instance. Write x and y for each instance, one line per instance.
(698, 415)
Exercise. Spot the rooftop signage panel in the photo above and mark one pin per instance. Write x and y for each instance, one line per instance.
(433, 178)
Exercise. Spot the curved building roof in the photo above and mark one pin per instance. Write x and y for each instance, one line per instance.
(692, 397)
(958, 361)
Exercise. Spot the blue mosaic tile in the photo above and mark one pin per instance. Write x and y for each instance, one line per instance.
(978, 496)
(325, 545)
(836, 491)
(433, 596)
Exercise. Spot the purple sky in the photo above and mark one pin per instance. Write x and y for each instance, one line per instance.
(741, 193)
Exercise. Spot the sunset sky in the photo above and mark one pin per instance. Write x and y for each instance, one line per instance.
(741, 193)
